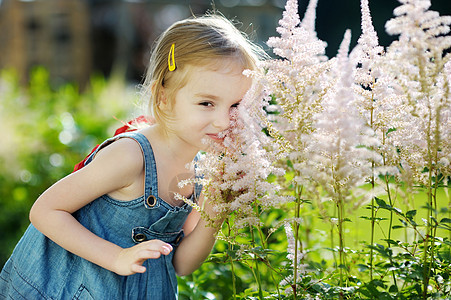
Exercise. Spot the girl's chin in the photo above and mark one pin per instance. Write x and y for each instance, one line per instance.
(209, 143)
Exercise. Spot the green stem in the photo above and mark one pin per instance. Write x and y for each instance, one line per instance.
(433, 228)
(425, 250)
(373, 215)
(265, 246)
(390, 200)
(426, 266)
(332, 241)
(449, 215)
(266, 262)
(297, 214)
(257, 273)
(340, 238)
(232, 268)
(387, 185)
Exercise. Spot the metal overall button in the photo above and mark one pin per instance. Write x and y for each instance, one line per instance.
(151, 201)
(140, 237)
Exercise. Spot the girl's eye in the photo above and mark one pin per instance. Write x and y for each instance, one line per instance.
(236, 105)
(206, 104)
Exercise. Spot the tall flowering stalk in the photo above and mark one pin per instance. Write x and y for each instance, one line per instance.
(339, 149)
(416, 68)
(294, 87)
(367, 57)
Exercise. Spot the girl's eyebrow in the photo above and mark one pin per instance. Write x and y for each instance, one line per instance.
(209, 96)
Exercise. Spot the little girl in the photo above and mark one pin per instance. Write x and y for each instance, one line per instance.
(113, 229)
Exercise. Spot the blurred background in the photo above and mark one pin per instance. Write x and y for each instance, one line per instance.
(69, 71)
(74, 38)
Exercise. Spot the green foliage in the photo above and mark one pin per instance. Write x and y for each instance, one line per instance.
(46, 132)
(49, 130)
(398, 266)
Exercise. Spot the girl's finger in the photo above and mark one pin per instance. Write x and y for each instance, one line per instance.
(157, 245)
(136, 268)
(147, 254)
(166, 250)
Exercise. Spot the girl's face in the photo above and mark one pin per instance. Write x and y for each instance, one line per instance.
(202, 108)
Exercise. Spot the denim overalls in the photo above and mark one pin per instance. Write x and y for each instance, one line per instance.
(40, 269)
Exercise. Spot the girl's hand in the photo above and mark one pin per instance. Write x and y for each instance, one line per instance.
(130, 260)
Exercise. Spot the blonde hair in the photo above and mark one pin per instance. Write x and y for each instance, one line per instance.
(198, 42)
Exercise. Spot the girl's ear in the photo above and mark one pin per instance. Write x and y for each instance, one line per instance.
(163, 102)
(160, 99)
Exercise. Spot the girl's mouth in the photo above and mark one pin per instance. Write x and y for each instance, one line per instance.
(216, 137)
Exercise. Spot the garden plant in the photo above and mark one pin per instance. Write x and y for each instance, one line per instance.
(339, 186)
(333, 179)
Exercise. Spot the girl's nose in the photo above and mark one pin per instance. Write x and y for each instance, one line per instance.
(222, 121)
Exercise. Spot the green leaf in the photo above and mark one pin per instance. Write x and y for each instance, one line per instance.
(393, 289)
(386, 252)
(391, 242)
(445, 227)
(391, 130)
(375, 219)
(445, 220)
(381, 202)
(362, 267)
(403, 222)
(411, 213)
(435, 221)
(397, 227)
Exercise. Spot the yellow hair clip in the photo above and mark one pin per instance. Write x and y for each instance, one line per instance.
(171, 58)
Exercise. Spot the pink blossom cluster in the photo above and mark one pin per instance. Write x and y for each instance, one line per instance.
(336, 124)
(345, 121)
(375, 111)
(414, 68)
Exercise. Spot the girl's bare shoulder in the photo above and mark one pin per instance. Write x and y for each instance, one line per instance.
(117, 165)
(124, 154)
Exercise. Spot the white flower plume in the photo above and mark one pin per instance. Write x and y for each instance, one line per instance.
(338, 149)
(416, 68)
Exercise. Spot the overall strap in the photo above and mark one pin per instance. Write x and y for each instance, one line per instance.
(150, 167)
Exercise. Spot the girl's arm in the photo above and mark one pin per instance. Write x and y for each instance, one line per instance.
(197, 245)
(115, 167)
